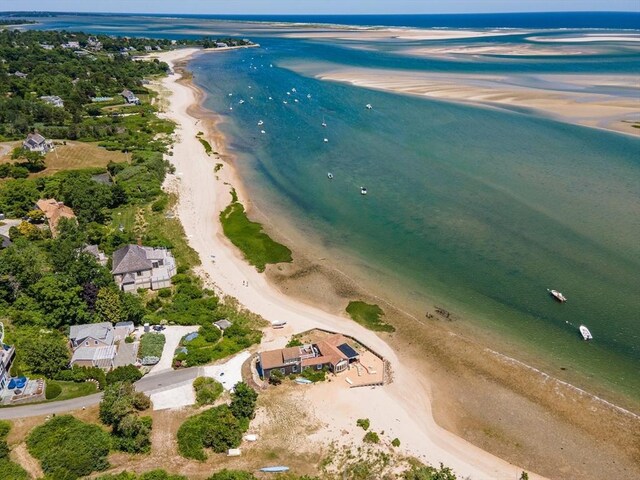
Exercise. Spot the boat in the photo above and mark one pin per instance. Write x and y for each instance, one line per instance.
(278, 469)
(368, 106)
(270, 98)
(586, 334)
(280, 324)
(260, 122)
(241, 102)
(557, 295)
(262, 131)
(330, 176)
(231, 94)
(324, 124)
(326, 140)
(288, 93)
(302, 381)
(363, 190)
(296, 100)
(284, 101)
(308, 95)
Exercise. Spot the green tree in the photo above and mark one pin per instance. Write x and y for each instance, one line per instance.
(17, 197)
(222, 430)
(108, 306)
(60, 301)
(23, 262)
(45, 353)
(243, 401)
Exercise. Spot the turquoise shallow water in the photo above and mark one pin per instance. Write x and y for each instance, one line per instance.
(479, 209)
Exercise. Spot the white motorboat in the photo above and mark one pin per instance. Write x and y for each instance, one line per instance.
(270, 98)
(262, 131)
(293, 90)
(324, 124)
(586, 334)
(363, 190)
(296, 100)
(326, 140)
(330, 176)
(231, 94)
(279, 324)
(285, 102)
(368, 106)
(308, 95)
(260, 122)
(557, 295)
(241, 102)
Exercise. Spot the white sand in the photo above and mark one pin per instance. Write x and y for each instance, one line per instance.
(201, 198)
(589, 38)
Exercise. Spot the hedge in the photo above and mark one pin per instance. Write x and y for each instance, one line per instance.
(52, 391)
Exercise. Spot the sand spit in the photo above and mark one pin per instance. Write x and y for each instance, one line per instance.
(499, 405)
(589, 109)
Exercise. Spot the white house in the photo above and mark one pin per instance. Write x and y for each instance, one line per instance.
(37, 143)
(54, 100)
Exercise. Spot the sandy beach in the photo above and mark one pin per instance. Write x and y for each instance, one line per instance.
(420, 390)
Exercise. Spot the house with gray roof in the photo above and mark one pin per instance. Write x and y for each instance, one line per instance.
(91, 335)
(102, 345)
(54, 100)
(37, 143)
(130, 97)
(135, 267)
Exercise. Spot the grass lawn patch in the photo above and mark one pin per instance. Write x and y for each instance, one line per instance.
(75, 389)
(369, 316)
(257, 247)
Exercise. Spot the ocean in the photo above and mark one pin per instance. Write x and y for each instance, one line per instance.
(475, 209)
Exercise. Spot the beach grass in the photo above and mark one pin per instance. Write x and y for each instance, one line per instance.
(369, 316)
(205, 144)
(257, 247)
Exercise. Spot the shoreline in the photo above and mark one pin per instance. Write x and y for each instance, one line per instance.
(228, 282)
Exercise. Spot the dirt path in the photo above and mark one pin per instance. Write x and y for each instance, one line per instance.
(22, 457)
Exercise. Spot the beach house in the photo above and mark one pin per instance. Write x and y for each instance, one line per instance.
(54, 211)
(333, 353)
(37, 143)
(101, 345)
(135, 266)
(130, 97)
(54, 100)
(7, 354)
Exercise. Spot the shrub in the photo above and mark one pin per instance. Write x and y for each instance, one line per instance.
(52, 391)
(207, 390)
(243, 401)
(127, 373)
(68, 448)
(395, 442)
(314, 375)
(363, 423)
(216, 428)
(294, 342)
(82, 374)
(164, 293)
(118, 409)
(371, 437)
(275, 378)
(232, 475)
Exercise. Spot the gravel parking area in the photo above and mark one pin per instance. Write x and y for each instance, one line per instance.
(228, 373)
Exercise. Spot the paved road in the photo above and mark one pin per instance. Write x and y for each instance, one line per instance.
(152, 384)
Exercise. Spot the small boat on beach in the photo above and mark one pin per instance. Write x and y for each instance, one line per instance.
(586, 334)
(363, 190)
(368, 106)
(557, 295)
(279, 324)
(278, 469)
(330, 176)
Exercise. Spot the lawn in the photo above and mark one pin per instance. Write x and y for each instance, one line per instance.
(258, 248)
(72, 156)
(75, 390)
(369, 316)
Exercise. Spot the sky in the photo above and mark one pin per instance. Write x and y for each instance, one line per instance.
(262, 7)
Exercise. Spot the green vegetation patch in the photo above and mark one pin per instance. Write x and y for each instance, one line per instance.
(151, 345)
(257, 247)
(207, 390)
(68, 448)
(52, 391)
(363, 423)
(369, 316)
(205, 144)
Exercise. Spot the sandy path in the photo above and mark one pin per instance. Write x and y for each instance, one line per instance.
(22, 457)
(201, 198)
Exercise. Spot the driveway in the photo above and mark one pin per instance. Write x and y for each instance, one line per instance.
(228, 373)
(172, 335)
(8, 223)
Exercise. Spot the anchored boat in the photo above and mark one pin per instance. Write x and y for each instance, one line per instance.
(557, 295)
(586, 334)
(363, 190)
(330, 176)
